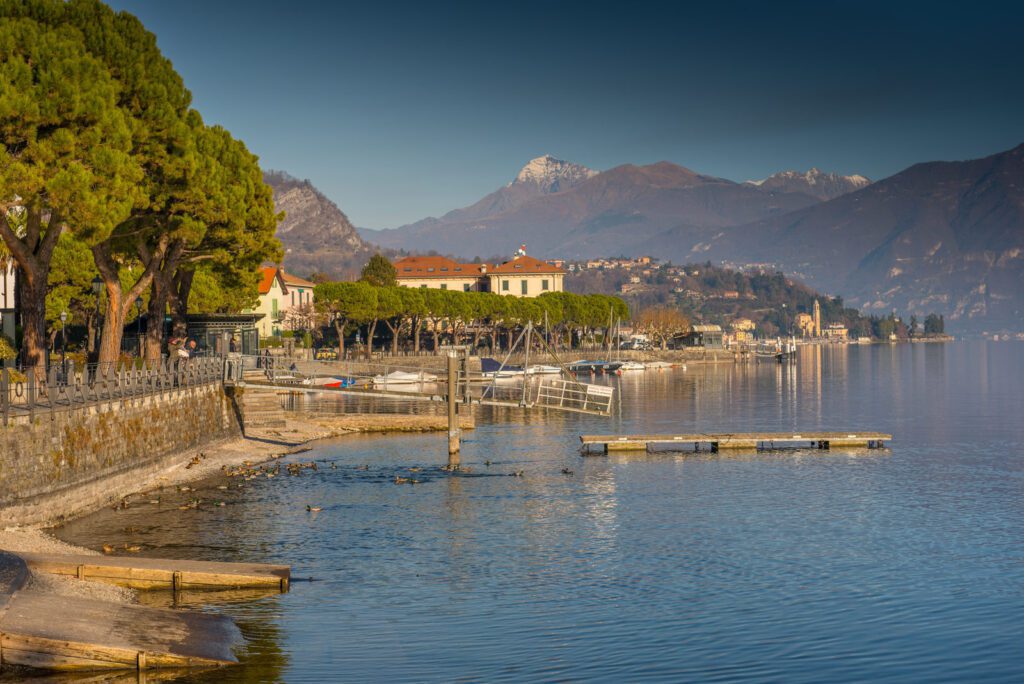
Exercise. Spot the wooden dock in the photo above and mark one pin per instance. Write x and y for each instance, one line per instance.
(66, 633)
(737, 440)
(162, 573)
(56, 632)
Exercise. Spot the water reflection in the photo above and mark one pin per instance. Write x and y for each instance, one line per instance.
(797, 566)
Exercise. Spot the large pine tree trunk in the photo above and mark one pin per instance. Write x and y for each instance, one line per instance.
(119, 301)
(32, 252)
(159, 295)
(32, 299)
(179, 305)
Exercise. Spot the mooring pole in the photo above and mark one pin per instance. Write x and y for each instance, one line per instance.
(453, 417)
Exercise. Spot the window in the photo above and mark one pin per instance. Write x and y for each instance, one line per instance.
(423, 287)
(430, 269)
(544, 284)
(444, 268)
(523, 284)
(273, 308)
(444, 286)
(465, 287)
(293, 299)
(504, 286)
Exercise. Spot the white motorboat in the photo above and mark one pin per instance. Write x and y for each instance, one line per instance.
(632, 366)
(659, 365)
(331, 382)
(403, 378)
(541, 369)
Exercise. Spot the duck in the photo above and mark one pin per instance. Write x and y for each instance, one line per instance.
(108, 549)
(518, 473)
(566, 471)
(313, 509)
(131, 548)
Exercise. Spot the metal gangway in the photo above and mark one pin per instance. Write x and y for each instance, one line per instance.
(561, 392)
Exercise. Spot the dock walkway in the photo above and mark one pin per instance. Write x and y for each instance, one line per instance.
(73, 633)
(157, 573)
(735, 440)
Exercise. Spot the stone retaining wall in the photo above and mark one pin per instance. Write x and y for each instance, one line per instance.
(65, 463)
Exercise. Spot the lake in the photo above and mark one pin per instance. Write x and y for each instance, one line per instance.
(903, 564)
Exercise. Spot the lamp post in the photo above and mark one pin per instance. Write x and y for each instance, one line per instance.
(138, 322)
(63, 345)
(97, 288)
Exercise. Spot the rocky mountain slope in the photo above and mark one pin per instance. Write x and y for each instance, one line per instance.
(939, 236)
(562, 209)
(316, 234)
(816, 183)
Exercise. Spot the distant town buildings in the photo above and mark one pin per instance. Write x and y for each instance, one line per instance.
(520, 276)
(836, 332)
(282, 296)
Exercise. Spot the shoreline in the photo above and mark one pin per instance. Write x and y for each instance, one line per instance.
(259, 445)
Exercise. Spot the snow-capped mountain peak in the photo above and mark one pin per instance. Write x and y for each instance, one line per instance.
(821, 184)
(552, 174)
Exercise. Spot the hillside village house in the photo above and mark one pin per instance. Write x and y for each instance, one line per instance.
(281, 293)
(521, 276)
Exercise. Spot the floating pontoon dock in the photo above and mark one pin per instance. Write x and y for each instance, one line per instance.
(736, 440)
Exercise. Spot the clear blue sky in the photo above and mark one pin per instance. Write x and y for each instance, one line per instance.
(398, 111)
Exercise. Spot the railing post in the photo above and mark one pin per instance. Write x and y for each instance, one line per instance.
(30, 391)
(5, 397)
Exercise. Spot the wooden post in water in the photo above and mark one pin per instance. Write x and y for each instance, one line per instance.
(453, 418)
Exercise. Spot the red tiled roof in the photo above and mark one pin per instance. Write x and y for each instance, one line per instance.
(290, 279)
(525, 264)
(435, 267)
(268, 273)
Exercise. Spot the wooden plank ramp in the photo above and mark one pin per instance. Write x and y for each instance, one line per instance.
(162, 573)
(69, 633)
(55, 632)
(735, 440)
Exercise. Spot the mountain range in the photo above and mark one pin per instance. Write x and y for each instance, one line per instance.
(939, 236)
(816, 183)
(317, 236)
(944, 237)
(563, 209)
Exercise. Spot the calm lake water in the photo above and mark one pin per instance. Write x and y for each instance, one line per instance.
(846, 565)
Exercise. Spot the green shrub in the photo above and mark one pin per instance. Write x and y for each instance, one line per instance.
(7, 350)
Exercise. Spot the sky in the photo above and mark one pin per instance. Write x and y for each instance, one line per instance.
(398, 111)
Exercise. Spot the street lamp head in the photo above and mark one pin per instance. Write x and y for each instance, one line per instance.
(97, 285)
(138, 303)
(63, 317)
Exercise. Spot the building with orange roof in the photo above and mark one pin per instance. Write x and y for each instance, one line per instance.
(521, 276)
(280, 293)
(525, 276)
(440, 273)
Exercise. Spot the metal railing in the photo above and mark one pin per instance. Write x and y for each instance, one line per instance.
(369, 379)
(37, 392)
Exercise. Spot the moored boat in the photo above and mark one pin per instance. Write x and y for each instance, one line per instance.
(403, 378)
